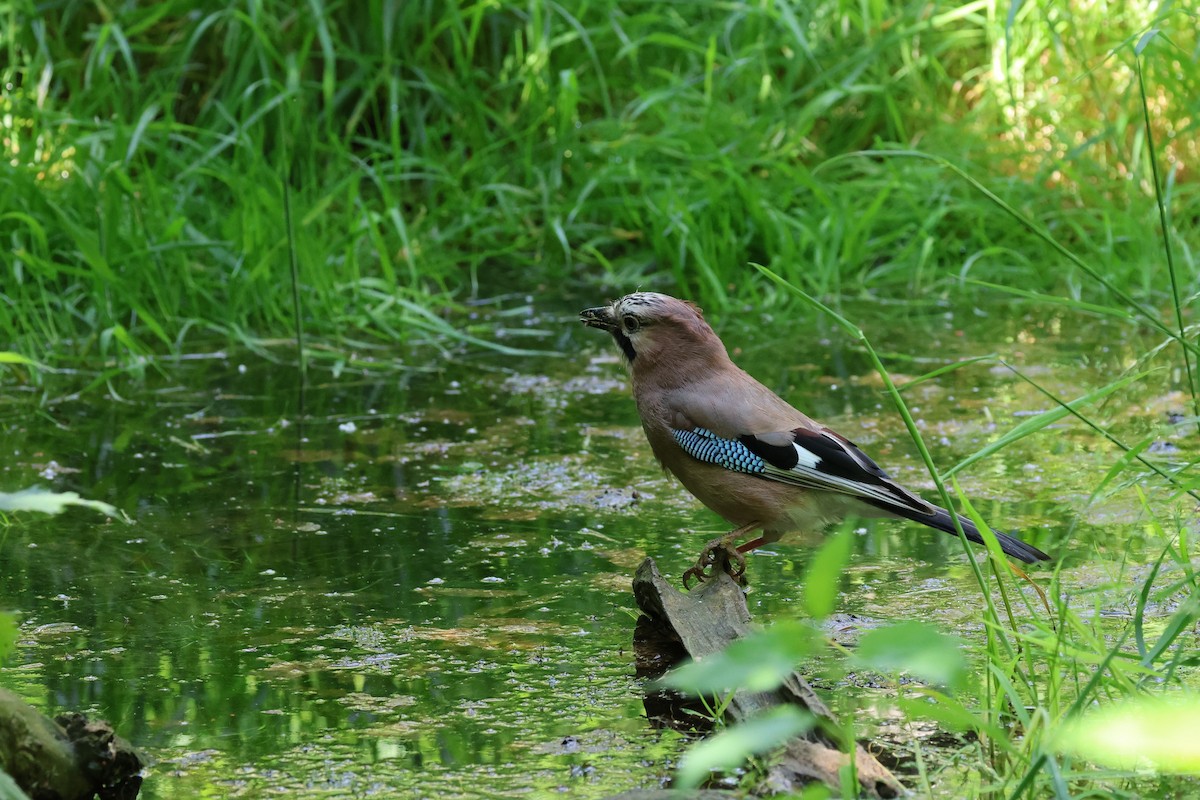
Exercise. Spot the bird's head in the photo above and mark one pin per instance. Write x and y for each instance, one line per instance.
(653, 328)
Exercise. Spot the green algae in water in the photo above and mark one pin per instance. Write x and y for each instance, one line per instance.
(423, 590)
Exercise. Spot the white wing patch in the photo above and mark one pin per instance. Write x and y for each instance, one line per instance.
(806, 458)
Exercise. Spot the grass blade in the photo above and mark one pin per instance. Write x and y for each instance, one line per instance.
(1046, 418)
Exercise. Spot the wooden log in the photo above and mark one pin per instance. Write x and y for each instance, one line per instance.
(704, 621)
(68, 758)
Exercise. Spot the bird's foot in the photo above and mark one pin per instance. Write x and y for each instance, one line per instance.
(720, 553)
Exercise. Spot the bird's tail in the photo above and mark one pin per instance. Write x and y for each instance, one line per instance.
(942, 521)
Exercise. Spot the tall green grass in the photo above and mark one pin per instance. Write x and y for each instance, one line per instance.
(1070, 701)
(434, 152)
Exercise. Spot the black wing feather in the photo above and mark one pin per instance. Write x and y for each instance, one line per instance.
(941, 520)
(840, 466)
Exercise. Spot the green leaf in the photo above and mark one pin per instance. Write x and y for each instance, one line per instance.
(1159, 732)
(1145, 40)
(914, 648)
(757, 663)
(824, 574)
(815, 791)
(9, 357)
(8, 634)
(946, 711)
(732, 746)
(9, 789)
(34, 499)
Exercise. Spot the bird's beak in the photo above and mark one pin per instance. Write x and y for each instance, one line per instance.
(601, 318)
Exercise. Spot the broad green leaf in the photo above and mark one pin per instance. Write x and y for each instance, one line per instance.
(814, 791)
(9, 789)
(8, 634)
(1158, 732)
(34, 499)
(732, 746)
(948, 712)
(916, 649)
(825, 574)
(757, 663)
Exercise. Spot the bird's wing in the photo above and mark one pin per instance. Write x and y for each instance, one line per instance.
(812, 458)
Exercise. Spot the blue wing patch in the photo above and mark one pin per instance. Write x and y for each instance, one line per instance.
(832, 464)
(828, 462)
(704, 445)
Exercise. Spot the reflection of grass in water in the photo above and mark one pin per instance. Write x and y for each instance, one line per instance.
(398, 760)
(479, 712)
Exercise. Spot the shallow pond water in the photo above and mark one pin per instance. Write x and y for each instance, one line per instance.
(417, 585)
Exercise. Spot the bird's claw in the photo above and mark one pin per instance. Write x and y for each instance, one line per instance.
(717, 552)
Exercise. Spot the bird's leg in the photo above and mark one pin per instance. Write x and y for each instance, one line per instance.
(719, 551)
(753, 544)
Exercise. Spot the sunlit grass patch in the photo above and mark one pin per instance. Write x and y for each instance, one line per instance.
(431, 153)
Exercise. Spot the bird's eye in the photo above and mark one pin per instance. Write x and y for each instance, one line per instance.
(630, 323)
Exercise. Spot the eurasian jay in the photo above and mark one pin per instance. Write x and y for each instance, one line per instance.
(742, 450)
